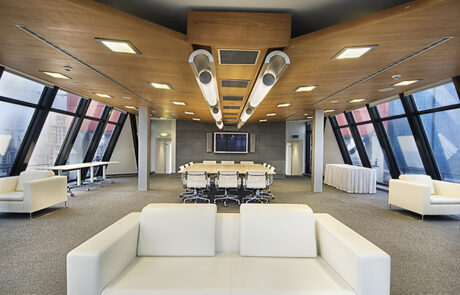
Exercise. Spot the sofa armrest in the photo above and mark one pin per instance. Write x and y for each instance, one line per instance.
(95, 263)
(408, 195)
(46, 192)
(448, 189)
(8, 184)
(364, 266)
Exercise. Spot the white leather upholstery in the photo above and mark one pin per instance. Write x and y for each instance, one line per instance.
(8, 184)
(448, 189)
(419, 179)
(227, 179)
(12, 196)
(196, 179)
(438, 199)
(209, 162)
(228, 233)
(177, 230)
(256, 179)
(277, 230)
(30, 175)
(227, 162)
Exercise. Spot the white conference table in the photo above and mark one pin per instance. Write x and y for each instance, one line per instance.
(78, 167)
(352, 179)
(214, 168)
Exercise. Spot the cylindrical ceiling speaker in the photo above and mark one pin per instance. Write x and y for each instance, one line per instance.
(205, 77)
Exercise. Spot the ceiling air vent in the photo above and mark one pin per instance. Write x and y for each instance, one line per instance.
(231, 107)
(230, 114)
(235, 83)
(233, 98)
(238, 57)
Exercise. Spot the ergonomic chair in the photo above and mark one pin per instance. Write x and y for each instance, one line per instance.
(197, 182)
(255, 182)
(227, 180)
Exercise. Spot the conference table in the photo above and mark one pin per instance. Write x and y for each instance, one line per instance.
(352, 179)
(214, 168)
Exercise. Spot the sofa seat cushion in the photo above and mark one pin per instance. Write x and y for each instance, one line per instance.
(173, 275)
(31, 175)
(438, 199)
(12, 196)
(228, 273)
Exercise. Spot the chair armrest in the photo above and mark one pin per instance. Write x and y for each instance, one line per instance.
(364, 266)
(8, 184)
(448, 189)
(46, 192)
(408, 195)
(95, 263)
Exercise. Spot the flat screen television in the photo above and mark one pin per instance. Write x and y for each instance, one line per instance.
(230, 142)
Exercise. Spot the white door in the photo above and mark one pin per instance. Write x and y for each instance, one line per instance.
(296, 158)
(288, 158)
(163, 155)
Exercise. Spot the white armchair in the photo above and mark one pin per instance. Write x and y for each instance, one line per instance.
(32, 191)
(422, 195)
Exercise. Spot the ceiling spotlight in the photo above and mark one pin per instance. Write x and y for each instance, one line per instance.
(195, 119)
(405, 83)
(283, 105)
(305, 88)
(353, 52)
(386, 89)
(329, 111)
(334, 101)
(126, 97)
(118, 46)
(179, 103)
(55, 75)
(309, 117)
(103, 95)
(160, 85)
(131, 107)
(271, 114)
(189, 113)
(263, 120)
(246, 114)
(216, 113)
(357, 100)
(220, 124)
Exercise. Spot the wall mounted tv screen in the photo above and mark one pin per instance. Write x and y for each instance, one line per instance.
(230, 142)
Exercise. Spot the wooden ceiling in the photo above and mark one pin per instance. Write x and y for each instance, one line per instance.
(73, 25)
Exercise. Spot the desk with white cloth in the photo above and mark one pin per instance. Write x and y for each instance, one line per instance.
(352, 179)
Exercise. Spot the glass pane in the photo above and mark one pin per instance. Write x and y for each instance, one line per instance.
(436, 97)
(95, 109)
(66, 101)
(104, 142)
(361, 115)
(341, 119)
(50, 141)
(114, 116)
(391, 108)
(14, 121)
(442, 129)
(19, 88)
(81, 144)
(404, 146)
(350, 143)
(374, 152)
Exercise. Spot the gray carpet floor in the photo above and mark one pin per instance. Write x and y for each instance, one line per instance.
(425, 256)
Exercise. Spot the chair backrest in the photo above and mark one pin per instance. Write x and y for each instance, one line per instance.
(272, 169)
(209, 162)
(264, 164)
(227, 179)
(181, 167)
(256, 179)
(419, 179)
(31, 175)
(190, 163)
(196, 179)
(227, 162)
(246, 162)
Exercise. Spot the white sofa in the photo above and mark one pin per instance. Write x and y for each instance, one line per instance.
(189, 249)
(422, 195)
(32, 191)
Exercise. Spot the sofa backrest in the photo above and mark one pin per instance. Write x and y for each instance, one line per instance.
(277, 230)
(177, 230)
(421, 179)
(31, 175)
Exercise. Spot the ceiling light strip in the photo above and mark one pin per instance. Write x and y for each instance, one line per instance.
(379, 71)
(43, 39)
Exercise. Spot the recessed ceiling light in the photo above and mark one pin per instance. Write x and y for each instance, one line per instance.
(305, 88)
(179, 103)
(163, 118)
(386, 89)
(195, 119)
(131, 107)
(119, 46)
(103, 95)
(56, 75)
(271, 114)
(405, 83)
(283, 105)
(263, 120)
(329, 111)
(334, 101)
(160, 85)
(309, 117)
(126, 97)
(189, 113)
(357, 100)
(353, 52)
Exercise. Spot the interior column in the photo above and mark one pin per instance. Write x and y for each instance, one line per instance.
(143, 179)
(317, 152)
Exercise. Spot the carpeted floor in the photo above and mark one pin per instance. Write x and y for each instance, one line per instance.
(425, 255)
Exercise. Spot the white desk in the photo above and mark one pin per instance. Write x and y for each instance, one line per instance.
(352, 179)
(214, 168)
(78, 167)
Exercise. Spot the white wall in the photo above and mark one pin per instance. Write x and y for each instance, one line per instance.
(296, 128)
(332, 153)
(124, 153)
(158, 126)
